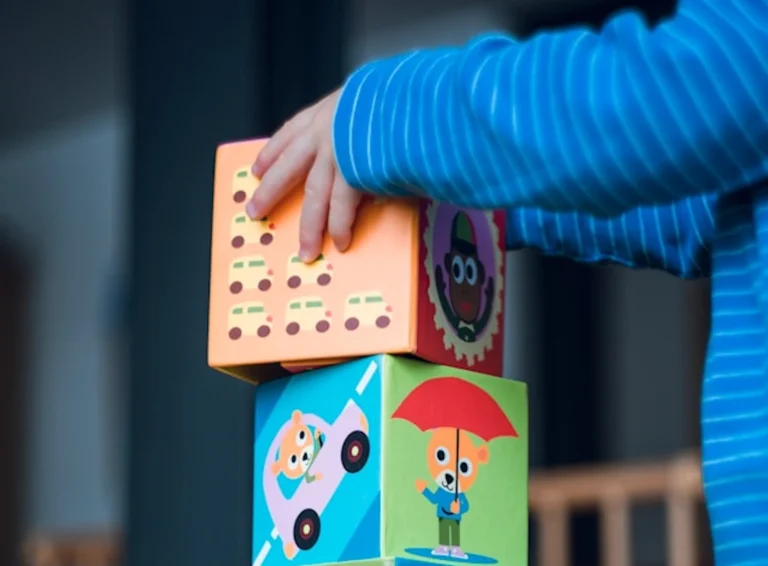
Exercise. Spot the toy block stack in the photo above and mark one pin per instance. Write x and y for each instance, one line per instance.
(383, 432)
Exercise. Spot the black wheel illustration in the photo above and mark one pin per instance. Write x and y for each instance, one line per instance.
(306, 529)
(355, 452)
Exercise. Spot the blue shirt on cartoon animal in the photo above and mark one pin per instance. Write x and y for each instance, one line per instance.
(454, 474)
(468, 303)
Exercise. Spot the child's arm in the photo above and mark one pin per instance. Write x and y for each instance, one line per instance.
(674, 238)
(569, 120)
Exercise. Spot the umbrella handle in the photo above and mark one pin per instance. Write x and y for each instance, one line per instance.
(456, 489)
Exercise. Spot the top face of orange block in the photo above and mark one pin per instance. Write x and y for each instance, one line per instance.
(419, 278)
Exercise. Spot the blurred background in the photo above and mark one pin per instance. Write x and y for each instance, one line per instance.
(110, 421)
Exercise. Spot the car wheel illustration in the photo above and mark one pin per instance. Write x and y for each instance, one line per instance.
(322, 326)
(306, 529)
(355, 452)
(235, 333)
(235, 287)
(265, 284)
(382, 321)
(266, 239)
(294, 281)
(351, 323)
(239, 196)
(238, 242)
(323, 279)
(263, 331)
(293, 328)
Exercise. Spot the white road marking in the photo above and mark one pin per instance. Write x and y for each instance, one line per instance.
(273, 534)
(366, 379)
(262, 556)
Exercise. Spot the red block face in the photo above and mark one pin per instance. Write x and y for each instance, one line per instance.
(461, 287)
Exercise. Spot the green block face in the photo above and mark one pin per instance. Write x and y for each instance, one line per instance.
(441, 424)
(387, 460)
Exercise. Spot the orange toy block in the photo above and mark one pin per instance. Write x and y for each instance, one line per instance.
(420, 278)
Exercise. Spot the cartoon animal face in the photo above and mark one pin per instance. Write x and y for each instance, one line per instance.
(297, 449)
(465, 285)
(466, 270)
(447, 467)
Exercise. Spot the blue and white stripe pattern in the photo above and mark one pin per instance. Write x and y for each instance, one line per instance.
(637, 145)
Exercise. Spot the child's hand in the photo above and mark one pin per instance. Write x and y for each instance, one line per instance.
(301, 152)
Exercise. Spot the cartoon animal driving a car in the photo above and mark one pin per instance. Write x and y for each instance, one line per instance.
(298, 450)
(319, 455)
(454, 479)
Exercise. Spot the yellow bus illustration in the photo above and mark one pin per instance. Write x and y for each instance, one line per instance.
(247, 231)
(300, 273)
(366, 309)
(249, 319)
(306, 314)
(249, 272)
(243, 184)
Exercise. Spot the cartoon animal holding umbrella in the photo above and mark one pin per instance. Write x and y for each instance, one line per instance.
(451, 410)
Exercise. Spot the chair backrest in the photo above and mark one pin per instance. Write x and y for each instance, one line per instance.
(613, 490)
(553, 495)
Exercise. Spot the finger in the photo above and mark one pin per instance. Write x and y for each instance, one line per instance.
(343, 210)
(281, 177)
(314, 211)
(278, 143)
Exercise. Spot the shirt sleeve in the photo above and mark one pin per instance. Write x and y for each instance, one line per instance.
(674, 238)
(571, 120)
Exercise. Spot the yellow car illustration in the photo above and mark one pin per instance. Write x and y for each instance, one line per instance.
(366, 309)
(249, 319)
(243, 184)
(300, 273)
(249, 272)
(305, 314)
(247, 231)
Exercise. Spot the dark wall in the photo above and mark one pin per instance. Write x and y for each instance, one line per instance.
(201, 73)
(15, 278)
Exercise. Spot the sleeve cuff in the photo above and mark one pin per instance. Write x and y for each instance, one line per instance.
(376, 126)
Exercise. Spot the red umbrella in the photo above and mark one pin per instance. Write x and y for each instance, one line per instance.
(451, 402)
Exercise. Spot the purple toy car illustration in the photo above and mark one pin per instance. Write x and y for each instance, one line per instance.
(319, 460)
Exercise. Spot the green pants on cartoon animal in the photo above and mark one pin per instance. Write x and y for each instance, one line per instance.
(450, 534)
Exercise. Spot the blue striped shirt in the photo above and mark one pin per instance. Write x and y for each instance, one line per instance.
(642, 146)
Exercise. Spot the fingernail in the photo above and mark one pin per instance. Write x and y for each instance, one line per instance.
(250, 210)
(341, 245)
(305, 255)
(256, 170)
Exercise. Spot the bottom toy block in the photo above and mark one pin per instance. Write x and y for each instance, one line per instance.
(389, 460)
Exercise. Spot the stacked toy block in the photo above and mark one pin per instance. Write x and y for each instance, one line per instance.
(383, 432)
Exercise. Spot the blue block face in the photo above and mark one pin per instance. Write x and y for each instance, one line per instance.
(317, 466)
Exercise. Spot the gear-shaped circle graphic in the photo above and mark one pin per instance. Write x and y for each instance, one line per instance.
(473, 351)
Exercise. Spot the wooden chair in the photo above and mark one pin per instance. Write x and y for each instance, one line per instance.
(553, 497)
(613, 490)
(99, 549)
